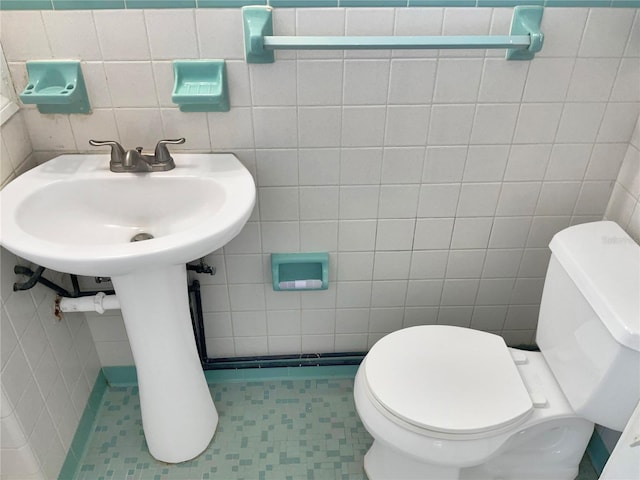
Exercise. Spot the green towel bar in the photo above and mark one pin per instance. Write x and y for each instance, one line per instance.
(524, 41)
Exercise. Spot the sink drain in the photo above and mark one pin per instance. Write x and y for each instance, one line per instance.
(141, 236)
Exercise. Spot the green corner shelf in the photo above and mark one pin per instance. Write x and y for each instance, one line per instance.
(56, 87)
(200, 86)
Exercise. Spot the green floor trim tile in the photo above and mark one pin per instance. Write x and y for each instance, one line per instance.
(597, 451)
(81, 438)
(121, 376)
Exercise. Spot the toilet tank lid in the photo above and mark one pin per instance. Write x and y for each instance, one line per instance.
(604, 262)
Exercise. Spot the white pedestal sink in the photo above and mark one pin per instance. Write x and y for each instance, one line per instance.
(73, 215)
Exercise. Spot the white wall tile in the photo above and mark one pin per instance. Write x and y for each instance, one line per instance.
(465, 263)
(277, 167)
(398, 201)
(319, 203)
(444, 164)
(124, 92)
(359, 202)
(58, 25)
(518, 198)
(485, 163)
(395, 234)
(438, 200)
(424, 293)
(234, 129)
(548, 80)
(23, 36)
(100, 125)
(139, 127)
(319, 126)
(457, 80)
(509, 232)
(49, 132)
(218, 33)
(433, 233)
(130, 42)
(617, 122)
(563, 28)
(320, 21)
(592, 79)
(275, 127)
(606, 32)
(557, 198)
(366, 82)
(502, 81)
(568, 162)
(471, 232)
(319, 236)
(360, 166)
(402, 165)
(273, 83)
(165, 40)
(478, 199)
(192, 126)
(537, 122)
(406, 125)
(428, 264)
(319, 83)
(356, 235)
(494, 123)
(391, 265)
(450, 124)
(527, 162)
(411, 81)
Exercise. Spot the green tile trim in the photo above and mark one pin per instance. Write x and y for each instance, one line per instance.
(280, 373)
(85, 428)
(625, 3)
(88, 4)
(373, 3)
(229, 3)
(141, 4)
(303, 3)
(126, 376)
(26, 5)
(577, 3)
(508, 3)
(120, 376)
(161, 4)
(442, 3)
(597, 451)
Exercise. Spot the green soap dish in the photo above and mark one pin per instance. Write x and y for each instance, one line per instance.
(200, 86)
(300, 271)
(56, 87)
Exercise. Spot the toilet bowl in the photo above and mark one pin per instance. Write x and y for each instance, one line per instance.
(445, 402)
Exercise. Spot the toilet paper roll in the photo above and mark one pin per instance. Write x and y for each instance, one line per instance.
(300, 284)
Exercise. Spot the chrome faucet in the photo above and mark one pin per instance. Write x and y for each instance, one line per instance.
(135, 160)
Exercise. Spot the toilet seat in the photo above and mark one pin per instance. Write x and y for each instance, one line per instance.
(447, 380)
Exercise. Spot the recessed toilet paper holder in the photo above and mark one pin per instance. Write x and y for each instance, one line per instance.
(300, 271)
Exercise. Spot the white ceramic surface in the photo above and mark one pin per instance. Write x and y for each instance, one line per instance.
(72, 214)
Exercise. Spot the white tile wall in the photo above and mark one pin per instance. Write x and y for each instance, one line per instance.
(434, 179)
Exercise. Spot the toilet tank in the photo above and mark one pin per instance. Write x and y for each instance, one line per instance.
(589, 323)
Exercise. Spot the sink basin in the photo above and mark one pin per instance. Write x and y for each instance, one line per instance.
(72, 214)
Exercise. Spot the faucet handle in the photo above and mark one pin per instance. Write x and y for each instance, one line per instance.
(117, 152)
(162, 152)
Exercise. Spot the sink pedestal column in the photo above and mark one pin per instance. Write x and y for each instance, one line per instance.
(178, 414)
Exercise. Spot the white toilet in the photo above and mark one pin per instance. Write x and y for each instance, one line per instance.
(445, 402)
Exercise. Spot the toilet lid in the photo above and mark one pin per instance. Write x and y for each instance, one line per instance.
(447, 379)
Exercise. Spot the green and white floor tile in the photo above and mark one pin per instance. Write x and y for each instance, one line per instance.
(268, 430)
(283, 429)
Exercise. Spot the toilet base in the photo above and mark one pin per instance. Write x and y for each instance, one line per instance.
(382, 462)
(547, 446)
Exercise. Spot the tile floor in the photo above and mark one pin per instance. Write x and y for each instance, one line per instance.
(268, 430)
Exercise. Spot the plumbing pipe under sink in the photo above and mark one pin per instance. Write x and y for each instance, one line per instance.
(97, 303)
